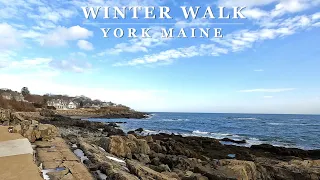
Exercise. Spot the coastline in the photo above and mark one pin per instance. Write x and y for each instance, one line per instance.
(168, 155)
(107, 152)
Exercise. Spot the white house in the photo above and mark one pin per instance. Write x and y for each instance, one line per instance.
(72, 105)
(58, 104)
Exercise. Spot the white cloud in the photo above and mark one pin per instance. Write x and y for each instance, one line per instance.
(277, 90)
(27, 63)
(85, 45)
(71, 65)
(166, 57)
(61, 36)
(192, 23)
(255, 13)
(9, 37)
(258, 70)
(139, 44)
(247, 3)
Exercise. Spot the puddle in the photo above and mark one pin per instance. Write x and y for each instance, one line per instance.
(101, 175)
(45, 171)
(80, 154)
(231, 155)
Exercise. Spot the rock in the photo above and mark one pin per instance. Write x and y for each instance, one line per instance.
(164, 168)
(156, 147)
(9, 118)
(216, 174)
(245, 170)
(143, 147)
(131, 132)
(113, 169)
(35, 131)
(139, 130)
(149, 139)
(47, 112)
(234, 141)
(112, 124)
(143, 158)
(281, 150)
(294, 169)
(117, 146)
(132, 137)
(144, 172)
(161, 168)
(155, 161)
(193, 176)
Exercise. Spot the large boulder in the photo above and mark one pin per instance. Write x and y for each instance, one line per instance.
(294, 169)
(122, 146)
(245, 170)
(33, 130)
(144, 172)
(8, 117)
(5, 115)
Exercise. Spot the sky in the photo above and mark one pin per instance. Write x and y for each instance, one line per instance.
(267, 63)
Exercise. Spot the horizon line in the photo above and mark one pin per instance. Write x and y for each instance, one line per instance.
(312, 114)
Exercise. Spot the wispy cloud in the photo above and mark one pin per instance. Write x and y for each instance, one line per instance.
(277, 90)
(234, 42)
(258, 70)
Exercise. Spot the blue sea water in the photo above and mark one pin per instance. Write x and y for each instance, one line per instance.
(301, 131)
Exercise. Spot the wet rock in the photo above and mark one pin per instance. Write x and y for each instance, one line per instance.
(234, 141)
(139, 130)
(131, 132)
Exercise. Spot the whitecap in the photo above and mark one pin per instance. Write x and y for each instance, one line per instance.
(199, 132)
(249, 118)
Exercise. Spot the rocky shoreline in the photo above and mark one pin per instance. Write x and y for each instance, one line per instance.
(92, 113)
(169, 156)
(109, 153)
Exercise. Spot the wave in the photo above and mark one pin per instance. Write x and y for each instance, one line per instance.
(247, 118)
(301, 119)
(288, 124)
(174, 120)
(199, 132)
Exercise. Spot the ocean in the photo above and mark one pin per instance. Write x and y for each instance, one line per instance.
(299, 131)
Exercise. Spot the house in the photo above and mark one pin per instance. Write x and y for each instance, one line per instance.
(58, 103)
(62, 104)
(107, 104)
(72, 105)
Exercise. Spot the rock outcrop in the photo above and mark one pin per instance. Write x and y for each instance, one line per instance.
(122, 146)
(33, 130)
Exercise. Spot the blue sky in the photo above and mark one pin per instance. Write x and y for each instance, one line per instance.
(268, 64)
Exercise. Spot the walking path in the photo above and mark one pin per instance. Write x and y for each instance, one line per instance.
(16, 157)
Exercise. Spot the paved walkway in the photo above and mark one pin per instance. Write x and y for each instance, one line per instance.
(16, 157)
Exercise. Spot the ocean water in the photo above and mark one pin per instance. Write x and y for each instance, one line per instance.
(300, 131)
